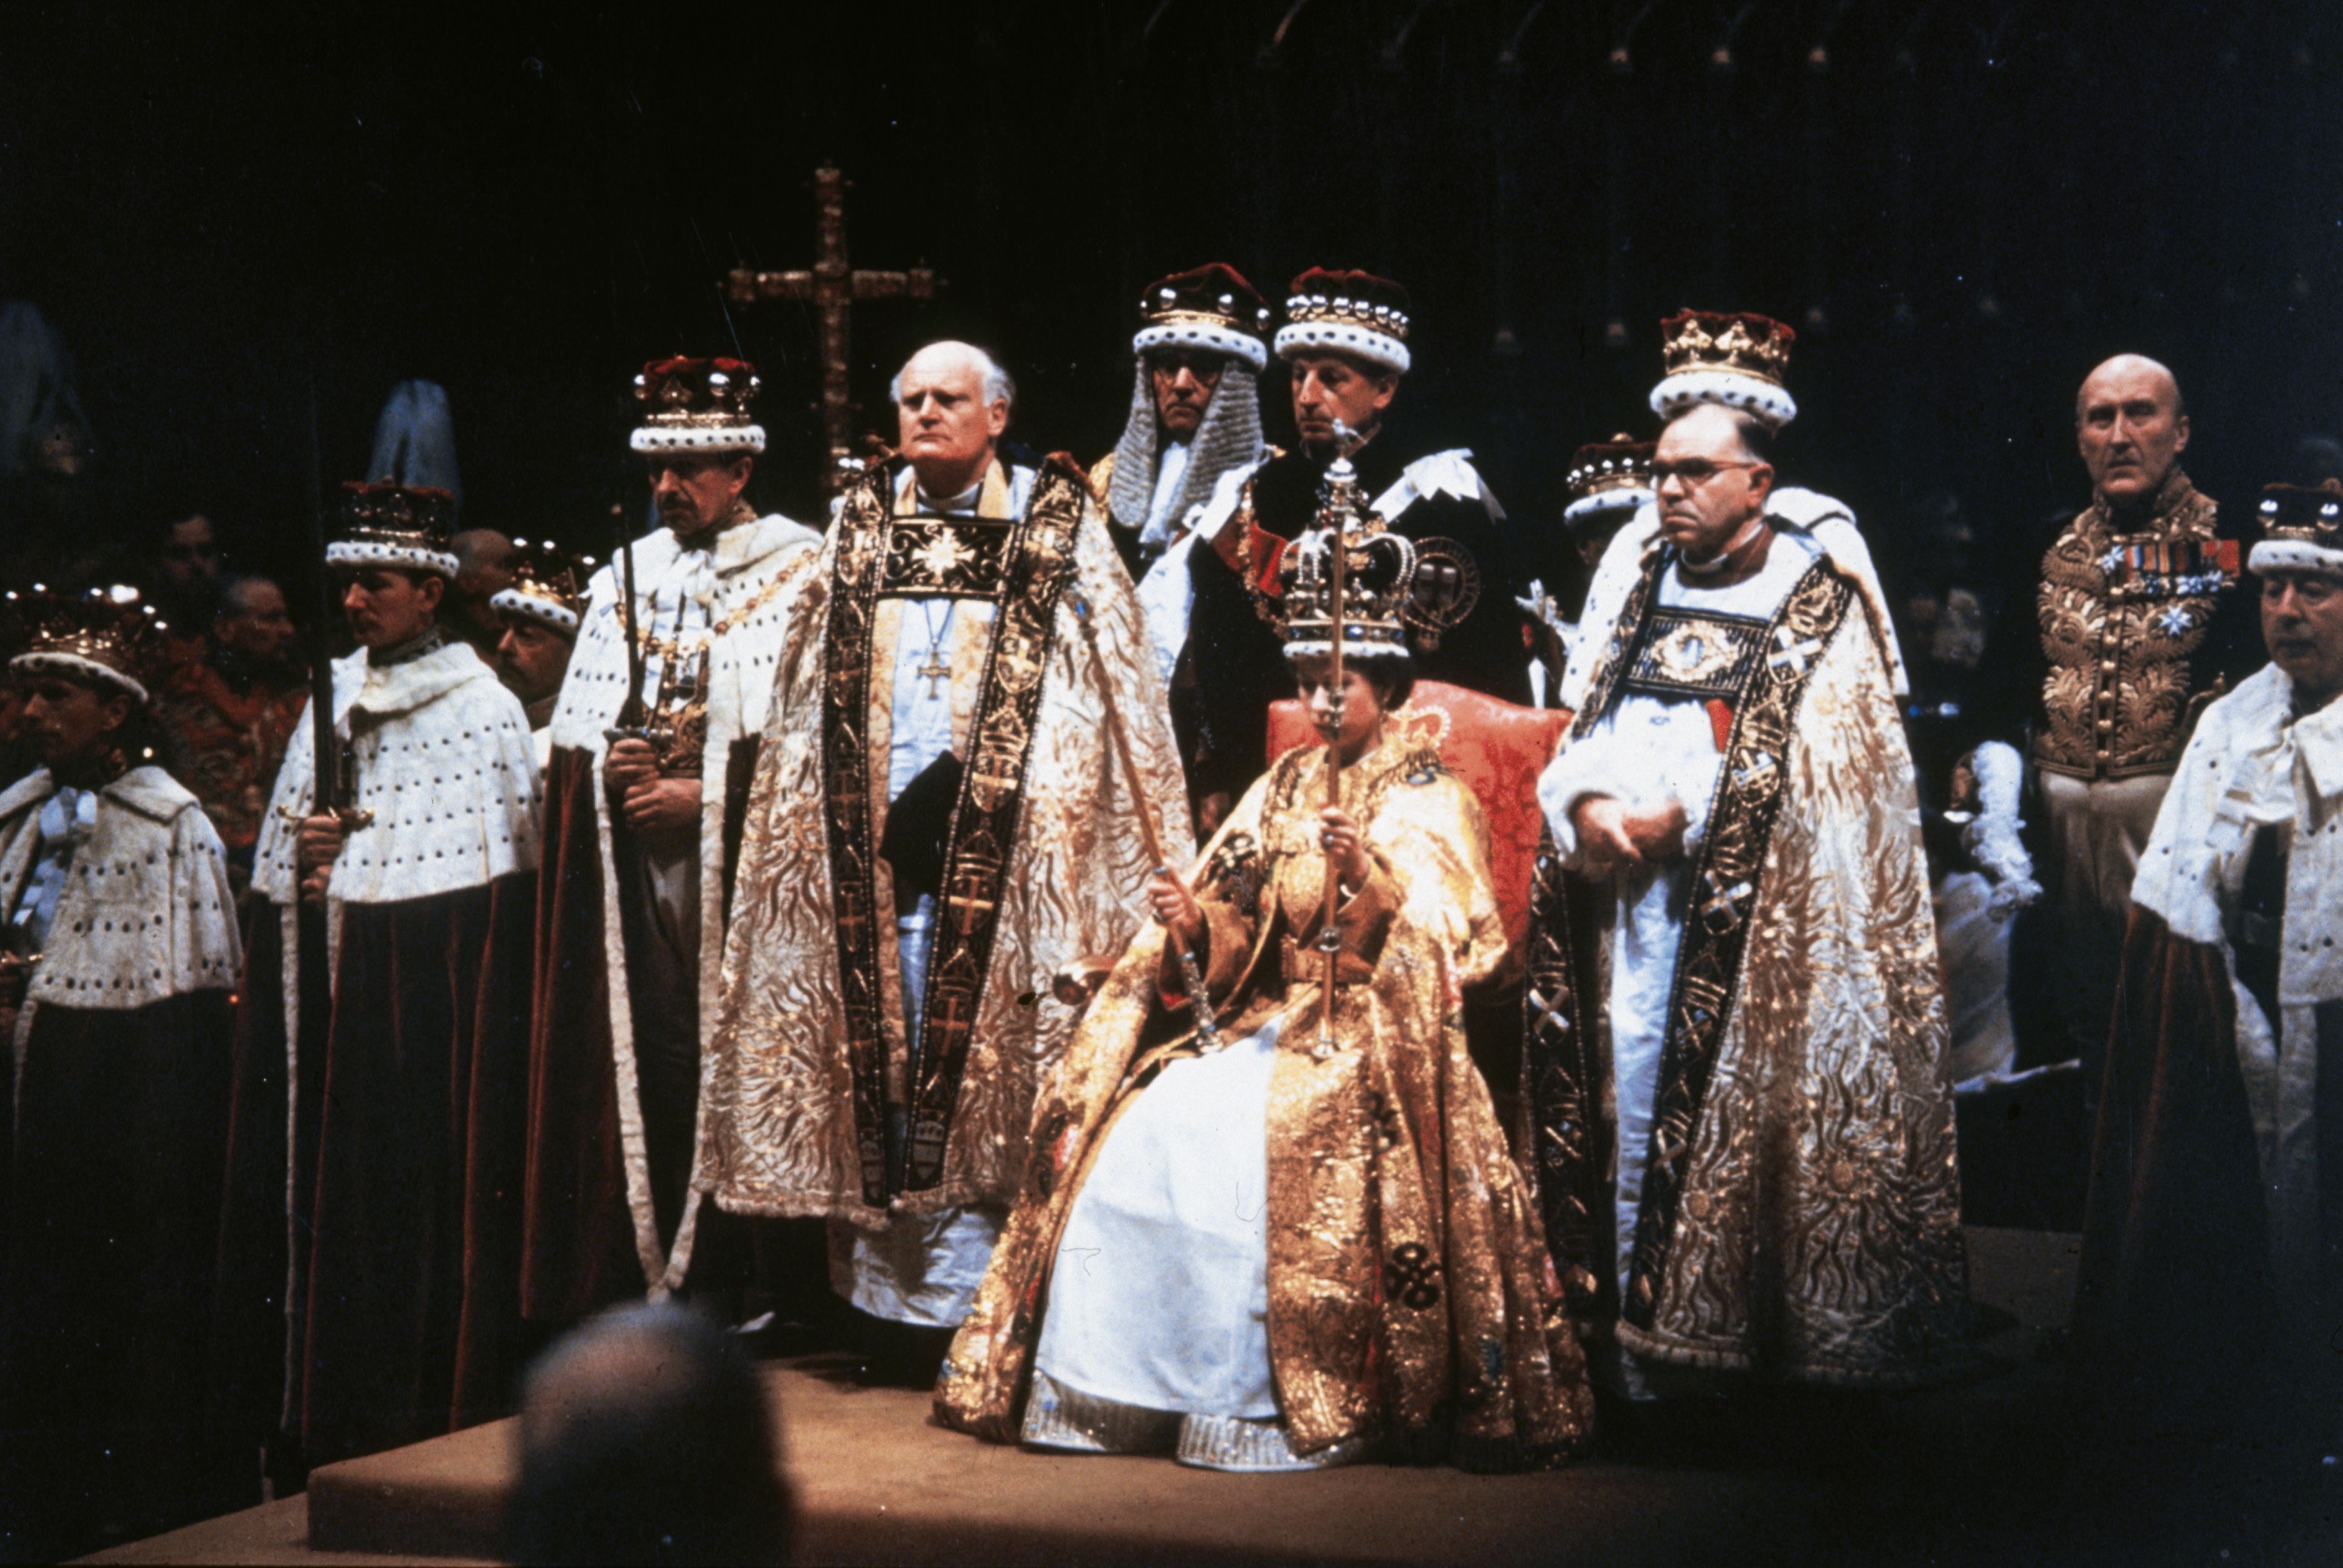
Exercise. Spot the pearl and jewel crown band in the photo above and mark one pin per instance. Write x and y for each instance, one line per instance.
(547, 585)
(698, 406)
(1728, 357)
(2302, 530)
(1378, 576)
(391, 525)
(1352, 313)
(107, 637)
(1211, 307)
(1607, 476)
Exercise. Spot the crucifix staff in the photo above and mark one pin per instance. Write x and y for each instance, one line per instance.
(833, 286)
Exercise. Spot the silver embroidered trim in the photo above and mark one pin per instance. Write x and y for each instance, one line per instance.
(1066, 1418)
(1235, 1443)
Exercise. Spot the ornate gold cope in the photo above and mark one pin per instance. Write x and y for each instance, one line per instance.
(1800, 1214)
(1021, 566)
(1774, 667)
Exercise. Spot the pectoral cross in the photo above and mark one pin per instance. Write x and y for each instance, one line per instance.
(934, 670)
(833, 286)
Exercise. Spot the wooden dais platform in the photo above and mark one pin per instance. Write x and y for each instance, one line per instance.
(877, 1481)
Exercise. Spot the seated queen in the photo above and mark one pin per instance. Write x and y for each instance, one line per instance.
(1277, 1234)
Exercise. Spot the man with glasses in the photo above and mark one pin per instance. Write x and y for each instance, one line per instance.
(1738, 794)
(1736, 361)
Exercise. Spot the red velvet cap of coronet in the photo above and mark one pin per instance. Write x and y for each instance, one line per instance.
(698, 406)
(1608, 477)
(108, 638)
(1733, 359)
(547, 585)
(1211, 307)
(2302, 530)
(393, 525)
(1347, 312)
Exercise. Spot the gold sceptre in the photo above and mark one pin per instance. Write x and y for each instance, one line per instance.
(1338, 508)
(1208, 1034)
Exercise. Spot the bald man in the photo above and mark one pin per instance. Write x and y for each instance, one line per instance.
(967, 722)
(2135, 625)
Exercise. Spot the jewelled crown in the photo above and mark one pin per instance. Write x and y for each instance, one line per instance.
(1378, 576)
(1607, 478)
(108, 637)
(1211, 307)
(1728, 357)
(698, 406)
(1353, 313)
(2302, 529)
(547, 586)
(391, 525)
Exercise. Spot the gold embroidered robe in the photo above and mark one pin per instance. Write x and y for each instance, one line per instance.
(1046, 846)
(1800, 1215)
(1409, 1295)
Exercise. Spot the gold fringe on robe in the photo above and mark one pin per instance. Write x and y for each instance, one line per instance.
(1410, 1299)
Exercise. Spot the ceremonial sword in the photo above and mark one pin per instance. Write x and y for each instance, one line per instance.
(627, 725)
(332, 786)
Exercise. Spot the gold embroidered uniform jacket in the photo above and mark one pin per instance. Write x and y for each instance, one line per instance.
(2120, 640)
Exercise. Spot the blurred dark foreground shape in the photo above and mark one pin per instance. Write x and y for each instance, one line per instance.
(646, 1437)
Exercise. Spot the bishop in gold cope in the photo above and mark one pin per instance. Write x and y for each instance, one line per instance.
(938, 823)
(1738, 798)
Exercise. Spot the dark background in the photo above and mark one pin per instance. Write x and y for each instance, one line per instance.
(1962, 205)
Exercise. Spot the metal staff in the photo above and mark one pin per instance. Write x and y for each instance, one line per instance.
(1208, 1033)
(1338, 508)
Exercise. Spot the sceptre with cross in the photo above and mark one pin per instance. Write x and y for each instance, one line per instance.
(833, 287)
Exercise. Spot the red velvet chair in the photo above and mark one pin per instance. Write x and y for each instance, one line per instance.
(1496, 749)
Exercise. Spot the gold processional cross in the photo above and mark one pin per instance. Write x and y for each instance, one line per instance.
(833, 287)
